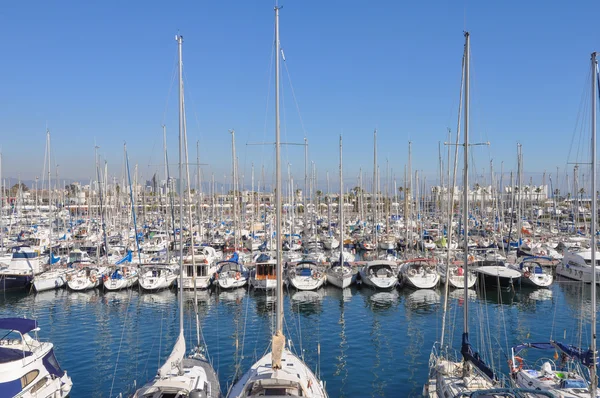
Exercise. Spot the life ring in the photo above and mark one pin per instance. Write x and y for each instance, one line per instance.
(104, 278)
(412, 272)
(237, 275)
(542, 253)
(527, 274)
(471, 258)
(511, 365)
(93, 278)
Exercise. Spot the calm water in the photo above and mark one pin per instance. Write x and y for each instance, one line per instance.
(371, 343)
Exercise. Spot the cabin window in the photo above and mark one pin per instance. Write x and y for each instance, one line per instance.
(200, 270)
(29, 378)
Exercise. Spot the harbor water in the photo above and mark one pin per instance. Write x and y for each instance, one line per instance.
(363, 343)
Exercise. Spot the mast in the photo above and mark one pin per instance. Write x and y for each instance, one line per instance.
(181, 127)
(341, 208)
(278, 338)
(594, 377)
(233, 189)
(305, 195)
(466, 191)
(49, 193)
(374, 199)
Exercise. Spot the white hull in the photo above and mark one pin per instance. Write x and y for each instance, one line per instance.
(380, 274)
(578, 273)
(307, 282)
(458, 282)
(50, 280)
(152, 283)
(340, 278)
(379, 282)
(84, 283)
(427, 281)
(228, 282)
(118, 284)
(202, 282)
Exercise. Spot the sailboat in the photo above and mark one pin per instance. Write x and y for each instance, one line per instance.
(341, 274)
(180, 376)
(568, 381)
(450, 376)
(279, 372)
(56, 276)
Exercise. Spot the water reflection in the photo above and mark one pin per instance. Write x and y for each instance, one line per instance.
(307, 302)
(336, 293)
(231, 296)
(92, 296)
(49, 297)
(379, 301)
(162, 297)
(494, 295)
(264, 301)
(423, 300)
(459, 294)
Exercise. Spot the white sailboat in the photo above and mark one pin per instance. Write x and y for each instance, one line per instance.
(380, 274)
(279, 372)
(180, 376)
(341, 274)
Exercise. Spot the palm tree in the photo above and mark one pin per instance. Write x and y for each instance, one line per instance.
(538, 191)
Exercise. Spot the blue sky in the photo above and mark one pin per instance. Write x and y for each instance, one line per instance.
(103, 71)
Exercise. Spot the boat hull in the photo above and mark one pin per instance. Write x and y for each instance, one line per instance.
(307, 282)
(50, 282)
(119, 284)
(341, 280)
(378, 282)
(14, 282)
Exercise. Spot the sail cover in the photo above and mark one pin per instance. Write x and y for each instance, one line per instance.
(174, 360)
(473, 357)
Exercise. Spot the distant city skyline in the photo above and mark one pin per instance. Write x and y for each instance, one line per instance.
(104, 74)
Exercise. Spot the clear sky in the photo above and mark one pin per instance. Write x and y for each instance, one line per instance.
(103, 72)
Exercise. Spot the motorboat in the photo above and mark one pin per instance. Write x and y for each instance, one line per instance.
(28, 367)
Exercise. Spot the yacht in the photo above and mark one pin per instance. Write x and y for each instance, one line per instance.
(28, 367)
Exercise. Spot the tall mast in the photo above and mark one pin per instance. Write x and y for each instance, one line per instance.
(341, 207)
(49, 192)
(466, 185)
(594, 377)
(278, 339)
(181, 127)
(233, 189)
(305, 195)
(374, 202)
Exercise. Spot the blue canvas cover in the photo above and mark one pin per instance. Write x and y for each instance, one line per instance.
(22, 325)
